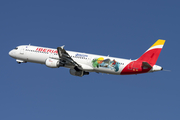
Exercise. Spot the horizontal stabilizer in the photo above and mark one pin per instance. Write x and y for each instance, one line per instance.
(146, 65)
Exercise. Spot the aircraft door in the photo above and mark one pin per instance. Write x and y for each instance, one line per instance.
(89, 59)
(50, 55)
(22, 51)
(22, 54)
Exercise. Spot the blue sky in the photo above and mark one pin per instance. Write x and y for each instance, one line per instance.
(124, 29)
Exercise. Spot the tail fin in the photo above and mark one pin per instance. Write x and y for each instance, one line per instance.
(152, 54)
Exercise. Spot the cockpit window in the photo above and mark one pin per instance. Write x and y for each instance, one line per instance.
(16, 48)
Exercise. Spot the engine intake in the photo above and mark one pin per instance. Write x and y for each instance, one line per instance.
(52, 63)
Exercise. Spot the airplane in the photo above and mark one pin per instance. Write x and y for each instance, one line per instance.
(81, 64)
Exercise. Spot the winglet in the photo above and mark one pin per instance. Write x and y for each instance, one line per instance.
(60, 50)
(62, 46)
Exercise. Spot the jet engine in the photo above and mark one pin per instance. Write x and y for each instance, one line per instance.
(52, 63)
(79, 73)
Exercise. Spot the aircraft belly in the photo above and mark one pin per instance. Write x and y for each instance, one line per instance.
(107, 71)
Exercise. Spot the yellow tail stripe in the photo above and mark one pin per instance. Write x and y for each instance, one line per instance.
(158, 42)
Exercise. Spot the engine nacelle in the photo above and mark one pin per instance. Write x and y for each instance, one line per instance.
(79, 73)
(52, 63)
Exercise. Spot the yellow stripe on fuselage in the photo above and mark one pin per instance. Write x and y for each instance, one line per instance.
(158, 42)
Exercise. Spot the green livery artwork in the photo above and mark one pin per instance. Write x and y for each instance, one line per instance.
(106, 63)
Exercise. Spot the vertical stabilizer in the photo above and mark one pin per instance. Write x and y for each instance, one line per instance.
(152, 54)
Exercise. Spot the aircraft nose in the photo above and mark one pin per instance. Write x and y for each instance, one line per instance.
(11, 53)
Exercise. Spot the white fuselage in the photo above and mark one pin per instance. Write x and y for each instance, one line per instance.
(36, 54)
(82, 63)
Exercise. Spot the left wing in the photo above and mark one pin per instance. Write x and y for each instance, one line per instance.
(66, 58)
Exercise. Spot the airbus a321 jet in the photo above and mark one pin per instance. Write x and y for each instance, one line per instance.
(81, 64)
